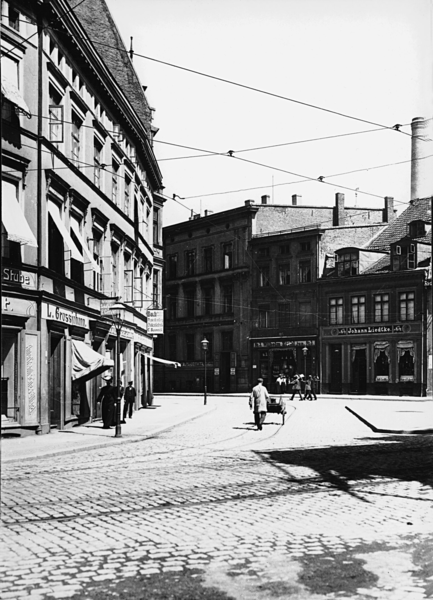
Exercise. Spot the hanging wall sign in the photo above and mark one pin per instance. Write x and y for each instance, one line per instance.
(155, 322)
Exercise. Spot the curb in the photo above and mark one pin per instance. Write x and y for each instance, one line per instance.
(379, 430)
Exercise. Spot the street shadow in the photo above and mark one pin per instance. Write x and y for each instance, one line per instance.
(400, 457)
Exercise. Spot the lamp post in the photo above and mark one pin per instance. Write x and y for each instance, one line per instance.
(305, 352)
(205, 346)
(117, 314)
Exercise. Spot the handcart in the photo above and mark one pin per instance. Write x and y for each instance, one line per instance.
(277, 404)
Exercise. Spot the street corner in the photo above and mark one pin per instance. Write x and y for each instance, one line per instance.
(416, 419)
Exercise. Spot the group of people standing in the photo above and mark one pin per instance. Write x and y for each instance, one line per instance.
(108, 397)
(298, 382)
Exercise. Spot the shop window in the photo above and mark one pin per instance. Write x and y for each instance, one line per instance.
(305, 314)
(227, 295)
(336, 311)
(283, 315)
(358, 309)
(190, 262)
(76, 133)
(264, 276)
(304, 271)
(227, 341)
(227, 256)
(190, 302)
(347, 264)
(406, 361)
(381, 308)
(172, 306)
(172, 266)
(406, 306)
(284, 274)
(172, 347)
(190, 346)
(381, 361)
(264, 316)
(208, 260)
(97, 162)
(207, 300)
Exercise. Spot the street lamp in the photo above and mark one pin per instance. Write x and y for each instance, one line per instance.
(305, 352)
(205, 346)
(117, 314)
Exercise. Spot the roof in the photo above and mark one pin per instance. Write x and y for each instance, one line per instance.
(418, 210)
(99, 25)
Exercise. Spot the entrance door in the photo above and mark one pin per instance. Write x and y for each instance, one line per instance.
(225, 372)
(335, 382)
(55, 379)
(358, 384)
(9, 369)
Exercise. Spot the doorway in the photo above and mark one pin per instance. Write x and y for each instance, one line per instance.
(55, 379)
(358, 384)
(225, 372)
(335, 382)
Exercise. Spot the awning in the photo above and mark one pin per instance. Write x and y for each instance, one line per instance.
(163, 360)
(86, 363)
(75, 253)
(86, 250)
(13, 218)
(12, 93)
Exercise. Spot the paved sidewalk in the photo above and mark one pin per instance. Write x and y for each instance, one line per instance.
(164, 414)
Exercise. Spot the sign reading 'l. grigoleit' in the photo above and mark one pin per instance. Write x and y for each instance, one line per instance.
(155, 321)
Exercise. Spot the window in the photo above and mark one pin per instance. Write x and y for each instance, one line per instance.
(284, 274)
(358, 309)
(155, 226)
(227, 341)
(190, 346)
(264, 276)
(190, 262)
(76, 138)
(115, 166)
(305, 314)
(283, 315)
(335, 311)
(407, 306)
(305, 246)
(14, 18)
(285, 249)
(227, 256)
(172, 347)
(417, 229)
(404, 257)
(304, 271)
(227, 297)
(263, 252)
(207, 300)
(97, 255)
(348, 264)
(190, 302)
(172, 266)
(264, 315)
(155, 292)
(56, 257)
(208, 260)
(381, 308)
(10, 251)
(77, 267)
(55, 125)
(406, 361)
(127, 196)
(97, 153)
(172, 306)
(114, 269)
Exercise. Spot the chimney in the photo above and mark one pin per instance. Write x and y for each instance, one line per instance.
(388, 211)
(295, 199)
(339, 213)
(265, 199)
(249, 202)
(421, 171)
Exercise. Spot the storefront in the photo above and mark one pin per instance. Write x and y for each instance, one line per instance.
(272, 357)
(374, 360)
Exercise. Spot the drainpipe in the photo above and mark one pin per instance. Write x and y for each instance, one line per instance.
(39, 209)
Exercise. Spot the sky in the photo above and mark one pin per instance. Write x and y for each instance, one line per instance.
(370, 60)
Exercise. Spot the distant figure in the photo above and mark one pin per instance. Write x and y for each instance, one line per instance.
(281, 384)
(296, 387)
(258, 402)
(128, 400)
(310, 393)
(107, 397)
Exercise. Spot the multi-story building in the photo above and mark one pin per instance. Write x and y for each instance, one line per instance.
(81, 212)
(376, 310)
(239, 277)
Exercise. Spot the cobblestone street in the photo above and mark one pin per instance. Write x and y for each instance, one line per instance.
(318, 508)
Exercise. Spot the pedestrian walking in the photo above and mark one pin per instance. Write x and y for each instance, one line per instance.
(310, 394)
(281, 384)
(107, 397)
(296, 389)
(128, 400)
(258, 402)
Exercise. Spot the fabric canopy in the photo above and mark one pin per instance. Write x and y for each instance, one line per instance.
(75, 253)
(12, 93)
(13, 218)
(86, 362)
(163, 360)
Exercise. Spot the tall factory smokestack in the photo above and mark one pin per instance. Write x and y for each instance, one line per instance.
(421, 176)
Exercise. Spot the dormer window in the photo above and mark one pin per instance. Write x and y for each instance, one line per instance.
(347, 264)
(404, 257)
(416, 229)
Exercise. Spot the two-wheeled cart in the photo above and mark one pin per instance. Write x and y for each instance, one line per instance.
(277, 404)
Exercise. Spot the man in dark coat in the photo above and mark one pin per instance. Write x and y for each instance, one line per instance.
(128, 399)
(108, 397)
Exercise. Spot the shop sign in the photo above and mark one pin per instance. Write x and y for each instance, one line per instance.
(107, 304)
(23, 279)
(283, 343)
(232, 371)
(51, 312)
(155, 322)
(125, 332)
(367, 330)
(30, 378)
(139, 338)
(18, 307)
